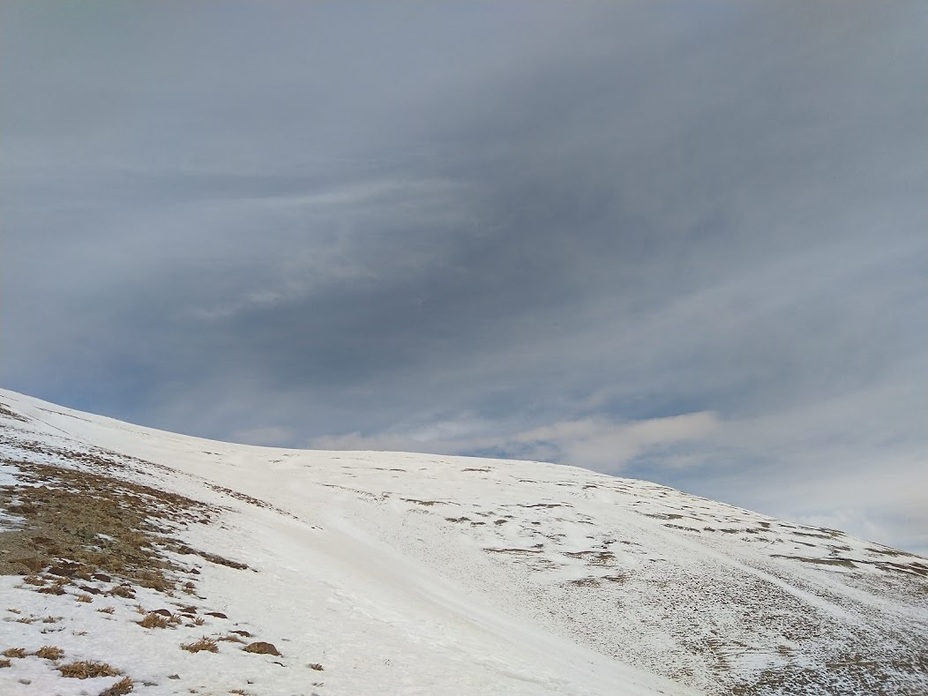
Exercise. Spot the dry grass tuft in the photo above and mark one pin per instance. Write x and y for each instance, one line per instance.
(204, 643)
(231, 638)
(86, 598)
(211, 557)
(5, 663)
(14, 652)
(49, 652)
(107, 610)
(154, 620)
(125, 591)
(52, 589)
(316, 666)
(88, 669)
(123, 686)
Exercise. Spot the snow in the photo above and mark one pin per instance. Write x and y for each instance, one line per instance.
(7, 475)
(405, 573)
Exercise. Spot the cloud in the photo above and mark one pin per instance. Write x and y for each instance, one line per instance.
(269, 435)
(591, 442)
(678, 244)
(598, 444)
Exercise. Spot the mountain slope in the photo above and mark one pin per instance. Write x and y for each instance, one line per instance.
(419, 574)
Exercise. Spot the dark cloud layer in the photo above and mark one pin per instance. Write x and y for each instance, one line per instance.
(679, 241)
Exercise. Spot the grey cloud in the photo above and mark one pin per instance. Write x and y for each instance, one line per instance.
(305, 220)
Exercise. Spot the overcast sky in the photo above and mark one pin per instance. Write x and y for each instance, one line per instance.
(676, 241)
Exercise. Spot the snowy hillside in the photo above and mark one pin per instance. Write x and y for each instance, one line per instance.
(143, 561)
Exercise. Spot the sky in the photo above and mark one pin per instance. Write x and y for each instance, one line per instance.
(679, 241)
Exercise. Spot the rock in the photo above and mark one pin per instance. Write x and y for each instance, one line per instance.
(261, 648)
(64, 570)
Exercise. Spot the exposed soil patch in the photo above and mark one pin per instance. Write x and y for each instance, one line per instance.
(515, 551)
(423, 503)
(845, 562)
(597, 558)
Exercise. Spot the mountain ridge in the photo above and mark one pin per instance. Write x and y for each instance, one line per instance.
(584, 582)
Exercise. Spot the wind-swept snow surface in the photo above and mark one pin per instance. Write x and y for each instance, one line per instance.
(377, 573)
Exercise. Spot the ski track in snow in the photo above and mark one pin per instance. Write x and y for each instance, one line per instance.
(419, 574)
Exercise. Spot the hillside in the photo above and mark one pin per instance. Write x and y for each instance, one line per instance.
(192, 566)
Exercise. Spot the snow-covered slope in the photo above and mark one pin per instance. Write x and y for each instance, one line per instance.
(381, 573)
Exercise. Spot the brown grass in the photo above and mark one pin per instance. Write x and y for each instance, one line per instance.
(125, 591)
(102, 525)
(49, 652)
(204, 643)
(5, 663)
(88, 669)
(231, 638)
(107, 610)
(86, 598)
(154, 620)
(52, 589)
(14, 652)
(123, 686)
(211, 557)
